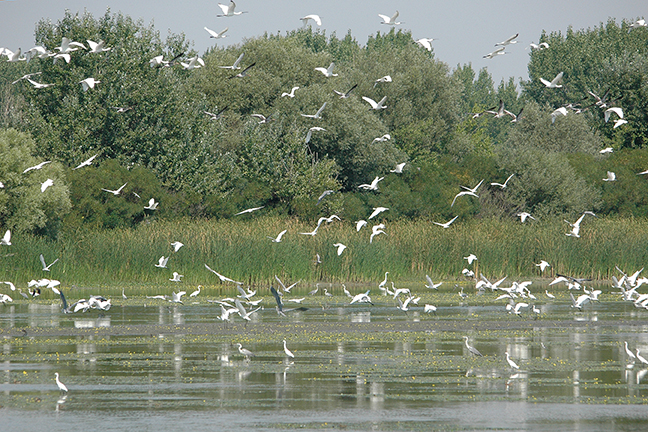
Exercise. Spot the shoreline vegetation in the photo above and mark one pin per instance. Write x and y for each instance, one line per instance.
(242, 250)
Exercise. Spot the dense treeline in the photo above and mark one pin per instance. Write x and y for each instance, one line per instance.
(163, 145)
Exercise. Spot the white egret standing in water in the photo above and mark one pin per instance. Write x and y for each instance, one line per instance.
(60, 385)
(287, 351)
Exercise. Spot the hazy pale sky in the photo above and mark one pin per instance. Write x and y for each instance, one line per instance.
(466, 30)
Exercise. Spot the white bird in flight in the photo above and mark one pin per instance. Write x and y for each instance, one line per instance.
(278, 238)
(524, 216)
(115, 192)
(36, 167)
(38, 85)
(385, 79)
(97, 47)
(89, 83)
(430, 284)
(250, 210)
(221, 277)
(176, 246)
(317, 115)
(328, 72)
(86, 162)
(309, 134)
(470, 258)
(6, 239)
(176, 278)
(360, 224)
(229, 10)
(162, 262)
(390, 20)
(462, 193)
(235, 66)
(503, 185)
(313, 17)
(554, 82)
(47, 183)
(498, 51)
(373, 185)
(399, 168)
(383, 138)
(152, 205)
(217, 35)
(347, 94)
(508, 41)
(45, 266)
(616, 110)
(447, 224)
(425, 43)
(291, 94)
(557, 112)
(377, 211)
(340, 248)
(610, 177)
(543, 265)
(375, 105)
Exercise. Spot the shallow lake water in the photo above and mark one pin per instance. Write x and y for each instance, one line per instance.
(151, 365)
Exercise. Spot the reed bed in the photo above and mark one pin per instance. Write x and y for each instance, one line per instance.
(241, 250)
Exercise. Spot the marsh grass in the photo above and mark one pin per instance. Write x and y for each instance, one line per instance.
(241, 250)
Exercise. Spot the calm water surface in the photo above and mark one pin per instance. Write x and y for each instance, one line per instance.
(575, 378)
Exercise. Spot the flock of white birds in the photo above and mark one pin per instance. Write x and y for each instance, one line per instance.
(516, 297)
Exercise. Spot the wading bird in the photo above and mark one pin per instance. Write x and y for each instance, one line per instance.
(430, 284)
(196, 292)
(246, 352)
(235, 66)
(287, 351)
(472, 349)
(425, 43)
(524, 216)
(162, 262)
(543, 265)
(176, 278)
(250, 210)
(340, 248)
(60, 385)
(221, 277)
(377, 211)
(399, 168)
(176, 246)
(511, 362)
(47, 183)
(498, 51)
(152, 205)
(244, 72)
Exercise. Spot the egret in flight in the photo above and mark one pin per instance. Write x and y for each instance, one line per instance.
(328, 72)
(291, 94)
(554, 82)
(229, 10)
(508, 41)
(6, 239)
(375, 105)
(217, 35)
(317, 115)
(86, 162)
(313, 17)
(390, 20)
(235, 66)
(117, 191)
(373, 185)
(45, 266)
(447, 224)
